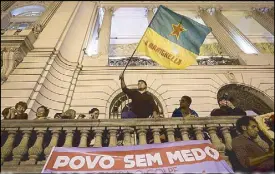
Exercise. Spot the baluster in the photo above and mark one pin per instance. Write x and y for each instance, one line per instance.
(184, 132)
(84, 135)
(134, 138)
(6, 149)
(127, 135)
(98, 136)
(22, 148)
(37, 148)
(227, 137)
(69, 137)
(170, 133)
(198, 132)
(142, 134)
(156, 133)
(113, 138)
(54, 140)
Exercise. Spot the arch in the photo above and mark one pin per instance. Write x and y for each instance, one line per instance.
(119, 101)
(26, 9)
(248, 98)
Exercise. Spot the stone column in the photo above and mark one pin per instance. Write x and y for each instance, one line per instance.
(98, 137)
(263, 17)
(156, 133)
(198, 132)
(22, 148)
(84, 135)
(69, 137)
(227, 137)
(142, 135)
(54, 140)
(104, 35)
(11, 58)
(37, 148)
(150, 13)
(170, 133)
(209, 18)
(40, 24)
(6, 149)
(238, 37)
(127, 136)
(113, 139)
(184, 132)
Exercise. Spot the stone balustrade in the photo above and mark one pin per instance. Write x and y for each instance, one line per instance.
(29, 142)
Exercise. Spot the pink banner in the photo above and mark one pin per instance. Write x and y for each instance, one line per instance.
(198, 156)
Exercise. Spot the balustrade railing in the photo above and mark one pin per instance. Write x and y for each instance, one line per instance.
(30, 141)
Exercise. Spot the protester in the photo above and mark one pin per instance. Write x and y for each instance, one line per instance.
(251, 154)
(17, 112)
(94, 113)
(227, 108)
(143, 104)
(42, 113)
(184, 109)
(69, 114)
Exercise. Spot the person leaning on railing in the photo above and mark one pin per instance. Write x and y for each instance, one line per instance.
(42, 113)
(16, 113)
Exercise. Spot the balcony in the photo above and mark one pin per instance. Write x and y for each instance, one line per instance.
(25, 144)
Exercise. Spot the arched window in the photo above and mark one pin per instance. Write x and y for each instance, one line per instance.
(122, 103)
(23, 17)
(247, 98)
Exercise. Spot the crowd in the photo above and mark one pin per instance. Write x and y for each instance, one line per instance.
(252, 154)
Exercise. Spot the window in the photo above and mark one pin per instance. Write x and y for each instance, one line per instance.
(19, 25)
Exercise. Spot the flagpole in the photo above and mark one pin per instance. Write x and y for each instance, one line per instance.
(139, 43)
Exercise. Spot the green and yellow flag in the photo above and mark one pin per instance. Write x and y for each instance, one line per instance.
(173, 40)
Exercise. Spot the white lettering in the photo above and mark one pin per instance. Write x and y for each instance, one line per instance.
(91, 164)
(61, 161)
(215, 154)
(77, 166)
(106, 158)
(141, 161)
(176, 156)
(196, 154)
(153, 159)
(129, 159)
(187, 155)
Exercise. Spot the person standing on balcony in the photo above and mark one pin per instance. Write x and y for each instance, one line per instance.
(42, 113)
(16, 113)
(252, 155)
(184, 109)
(227, 108)
(143, 104)
(94, 113)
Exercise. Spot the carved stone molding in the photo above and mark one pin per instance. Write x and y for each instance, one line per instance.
(19, 4)
(265, 47)
(218, 61)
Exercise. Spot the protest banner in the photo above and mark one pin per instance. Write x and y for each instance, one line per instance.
(194, 156)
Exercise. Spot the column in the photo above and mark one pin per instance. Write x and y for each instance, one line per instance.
(69, 137)
(263, 17)
(170, 133)
(156, 133)
(54, 140)
(238, 37)
(198, 132)
(84, 136)
(227, 138)
(40, 24)
(150, 13)
(222, 36)
(37, 148)
(127, 136)
(104, 35)
(6, 149)
(142, 135)
(113, 138)
(22, 148)
(184, 133)
(98, 137)
(11, 58)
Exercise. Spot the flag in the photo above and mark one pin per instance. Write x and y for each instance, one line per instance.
(172, 40)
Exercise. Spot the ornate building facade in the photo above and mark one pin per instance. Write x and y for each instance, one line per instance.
(69, 55)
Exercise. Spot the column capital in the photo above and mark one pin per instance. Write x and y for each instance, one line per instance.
(109, 9)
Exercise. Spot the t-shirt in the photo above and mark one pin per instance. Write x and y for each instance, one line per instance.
(177, 113)
(244, 148)
(143, 104)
